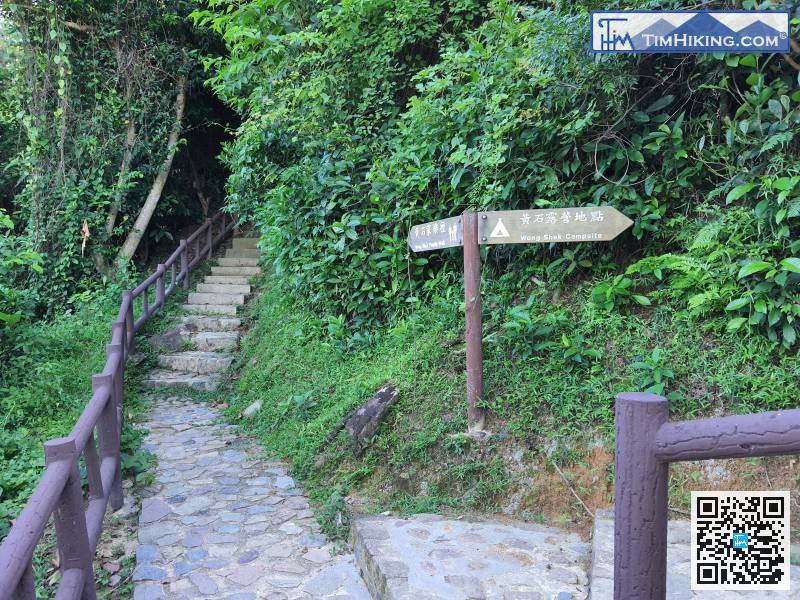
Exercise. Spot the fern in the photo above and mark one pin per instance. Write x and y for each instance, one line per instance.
(779, 139)
(707, 236)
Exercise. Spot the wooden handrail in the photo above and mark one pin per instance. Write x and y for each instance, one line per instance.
(96, 437)
(646, 443)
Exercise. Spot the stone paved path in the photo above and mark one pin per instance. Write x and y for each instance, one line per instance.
(678, 566)
(221, 521)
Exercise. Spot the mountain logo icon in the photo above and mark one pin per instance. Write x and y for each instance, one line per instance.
(689, 32)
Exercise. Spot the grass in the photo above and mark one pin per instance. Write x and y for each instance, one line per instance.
(546, 402)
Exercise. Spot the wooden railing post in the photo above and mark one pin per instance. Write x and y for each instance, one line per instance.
(209, 238)
(118, 331)
(184, 246)
(108, 428)
(71, 534)
(129, 339)
(145, 301)
(26, 588)
(640, 499)
(160, 296)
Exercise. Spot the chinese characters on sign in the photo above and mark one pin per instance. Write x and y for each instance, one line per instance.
(544, 226)
(534, 226)
(447, 233)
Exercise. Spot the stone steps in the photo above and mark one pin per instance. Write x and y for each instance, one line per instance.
(237, 262)
(227, 279)
(223, 288)
(210, 309)
(215, 341)
(200, 323)
(196, 361)
(211, 328)
(203, 298)
(164, 378)
(247, 242)
(243, 253)
(238, 271)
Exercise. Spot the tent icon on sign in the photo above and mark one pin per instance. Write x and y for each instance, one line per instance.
(499, 230)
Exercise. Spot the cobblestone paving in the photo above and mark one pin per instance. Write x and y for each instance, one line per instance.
(678, 566)
(429, 557)
(221, 521)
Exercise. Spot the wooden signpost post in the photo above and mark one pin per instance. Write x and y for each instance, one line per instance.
(535, 226)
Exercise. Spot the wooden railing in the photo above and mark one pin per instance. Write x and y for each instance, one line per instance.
(78, 517)
(647, 441)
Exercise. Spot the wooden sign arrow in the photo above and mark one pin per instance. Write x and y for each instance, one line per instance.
(446, 233)
(545, 226)
(534, 226)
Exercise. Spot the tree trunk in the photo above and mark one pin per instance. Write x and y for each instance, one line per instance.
(142, 221)
(127, 158)
(113, 211)
(198, 187)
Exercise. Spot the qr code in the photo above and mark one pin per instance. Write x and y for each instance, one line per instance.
(740, 540)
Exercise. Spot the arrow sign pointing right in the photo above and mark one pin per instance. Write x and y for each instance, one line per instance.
(546, 226)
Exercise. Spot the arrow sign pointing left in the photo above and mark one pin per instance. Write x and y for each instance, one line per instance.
(446, 233)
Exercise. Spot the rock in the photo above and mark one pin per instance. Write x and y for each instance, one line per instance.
(149, 573)
(245, 575)
(171, 341)
(284, 482)
(112, 567)
(317, 555)
(196, 554)
(313, 540)
(363, 424)
(183, 567)
(150, 591)
(153, 509)
(251, 410)
(147, 553)
(290, 529)
(192, 541)
(247, 557)
(136, 358)
(204, 583)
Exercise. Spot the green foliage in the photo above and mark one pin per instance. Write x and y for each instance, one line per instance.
(74, 78)
(17, 475)
(528, 331)
(615, 292)
(44, 385)
(420, 459)
(16, 260)
(655, 376)
(361, 119)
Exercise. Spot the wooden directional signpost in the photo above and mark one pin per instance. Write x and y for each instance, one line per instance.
(535, 226)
